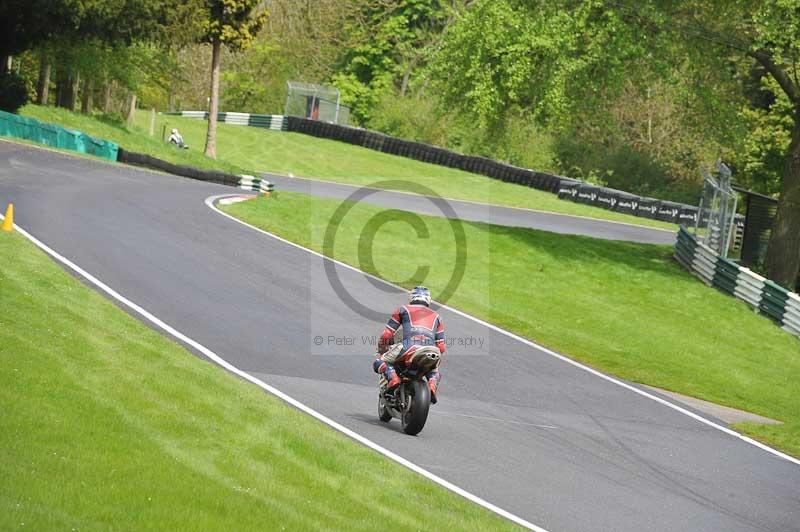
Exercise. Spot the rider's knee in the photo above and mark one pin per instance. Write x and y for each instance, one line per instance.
(378, 365)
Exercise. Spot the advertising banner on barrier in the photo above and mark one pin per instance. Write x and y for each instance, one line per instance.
(627, 204)
(587, 194)
(648, 207)
(668, 211)
(607, 198)
(688, 215)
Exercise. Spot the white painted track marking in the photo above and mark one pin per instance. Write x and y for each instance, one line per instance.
(210, 203)
(211, 355)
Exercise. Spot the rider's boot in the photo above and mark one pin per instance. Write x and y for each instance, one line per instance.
(389, 373)
(432, 388)
(433, 384)
(392, 378)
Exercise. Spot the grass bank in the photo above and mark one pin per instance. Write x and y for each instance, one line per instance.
(623, 307)
(246, 150)
(136, 138)
(108, 425)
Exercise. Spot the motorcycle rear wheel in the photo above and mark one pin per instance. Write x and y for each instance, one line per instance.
(418, 399)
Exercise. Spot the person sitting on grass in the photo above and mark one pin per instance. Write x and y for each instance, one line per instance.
(176, 139)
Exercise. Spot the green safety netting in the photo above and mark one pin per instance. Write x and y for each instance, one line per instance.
(22, 127)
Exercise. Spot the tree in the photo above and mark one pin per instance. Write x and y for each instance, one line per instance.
(556, 56)
(79, 39)
(774, 42)
(235, 24)
(26, 23)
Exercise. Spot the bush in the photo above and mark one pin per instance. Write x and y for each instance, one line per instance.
(13, 93)
(515, 140)
(409, 118)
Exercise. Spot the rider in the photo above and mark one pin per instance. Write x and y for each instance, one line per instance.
(421, 326)
(176, 139)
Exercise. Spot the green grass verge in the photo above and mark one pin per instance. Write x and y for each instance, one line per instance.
(108, 425)
(246, 150)
(625, 308)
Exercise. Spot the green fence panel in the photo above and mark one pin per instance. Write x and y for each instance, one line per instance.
(23, 127)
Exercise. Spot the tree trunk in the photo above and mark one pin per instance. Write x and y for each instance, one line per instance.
(171, 101)
(213, 104)
(152, 121)
(43, 86)
(63, 87)
(59, 88)
(86, 97)
(407, 76)
(404, 84)
(783, 254)
(5, 61)
(74, 85)
(131, 111)
(107, 97)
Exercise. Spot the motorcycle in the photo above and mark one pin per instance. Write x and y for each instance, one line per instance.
(411, 399)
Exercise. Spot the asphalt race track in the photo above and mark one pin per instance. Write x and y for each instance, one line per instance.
(537, 436)
(476, 212)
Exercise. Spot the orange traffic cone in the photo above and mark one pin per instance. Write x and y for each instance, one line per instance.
(8, 222)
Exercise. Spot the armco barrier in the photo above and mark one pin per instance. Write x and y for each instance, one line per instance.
(274, 122)
(23, 127)
(768, 298)
(256, 184)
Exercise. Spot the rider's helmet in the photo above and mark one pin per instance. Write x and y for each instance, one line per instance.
(420, 295)
(174, 131)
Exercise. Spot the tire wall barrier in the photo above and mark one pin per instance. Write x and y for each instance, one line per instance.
(426, 153)
(23, 127)
(246, 182)
(566, 188)
(766, 297)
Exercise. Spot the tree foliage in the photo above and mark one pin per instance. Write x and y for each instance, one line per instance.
(559, 58)
(233, 22)
(388, 41)
(635, 94)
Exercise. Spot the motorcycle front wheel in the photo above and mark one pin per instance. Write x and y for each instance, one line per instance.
(418, 402)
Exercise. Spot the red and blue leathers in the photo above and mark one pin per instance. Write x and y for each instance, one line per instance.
(421, 326)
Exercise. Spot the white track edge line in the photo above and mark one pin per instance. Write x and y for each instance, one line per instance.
(211, 355)
(590, 218)
(210, 203)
